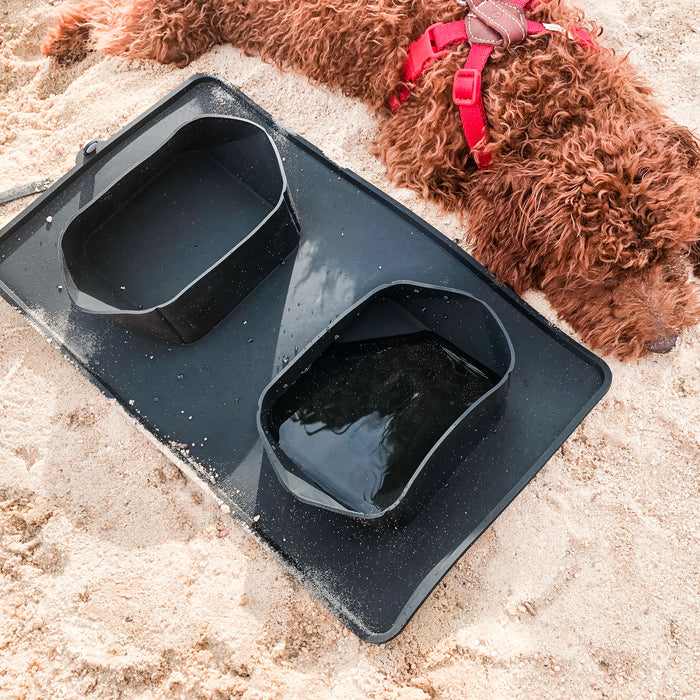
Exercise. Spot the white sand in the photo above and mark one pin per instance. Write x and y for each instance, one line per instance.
(121, 580)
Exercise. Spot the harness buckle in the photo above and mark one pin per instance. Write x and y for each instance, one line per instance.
(422, 52)
(466, 88)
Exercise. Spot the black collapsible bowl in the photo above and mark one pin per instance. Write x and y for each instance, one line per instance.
(402, 310)
(206, 395)
(149, 250)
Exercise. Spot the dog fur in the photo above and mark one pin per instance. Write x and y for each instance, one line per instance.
(593, 196)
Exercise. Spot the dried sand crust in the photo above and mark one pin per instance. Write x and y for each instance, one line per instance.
(120, 579)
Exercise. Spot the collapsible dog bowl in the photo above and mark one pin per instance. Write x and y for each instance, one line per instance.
(202, 400)
(380, 409)
(183, 236)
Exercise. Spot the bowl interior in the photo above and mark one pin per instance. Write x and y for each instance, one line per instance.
(175, 215)
(362, 411)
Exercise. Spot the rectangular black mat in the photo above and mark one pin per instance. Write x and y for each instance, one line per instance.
(205, 394)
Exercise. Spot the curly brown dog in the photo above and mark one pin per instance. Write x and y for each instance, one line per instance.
(593, 196)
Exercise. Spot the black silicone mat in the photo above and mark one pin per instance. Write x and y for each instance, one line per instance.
(205, 394)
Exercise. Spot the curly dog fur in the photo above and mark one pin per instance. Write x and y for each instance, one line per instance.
(594, 195)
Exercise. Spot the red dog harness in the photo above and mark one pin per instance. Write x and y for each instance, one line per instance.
(488, 24)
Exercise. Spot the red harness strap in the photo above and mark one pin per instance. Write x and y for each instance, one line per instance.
(435, 43)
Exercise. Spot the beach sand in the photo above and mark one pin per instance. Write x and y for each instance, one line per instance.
(121, 578)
